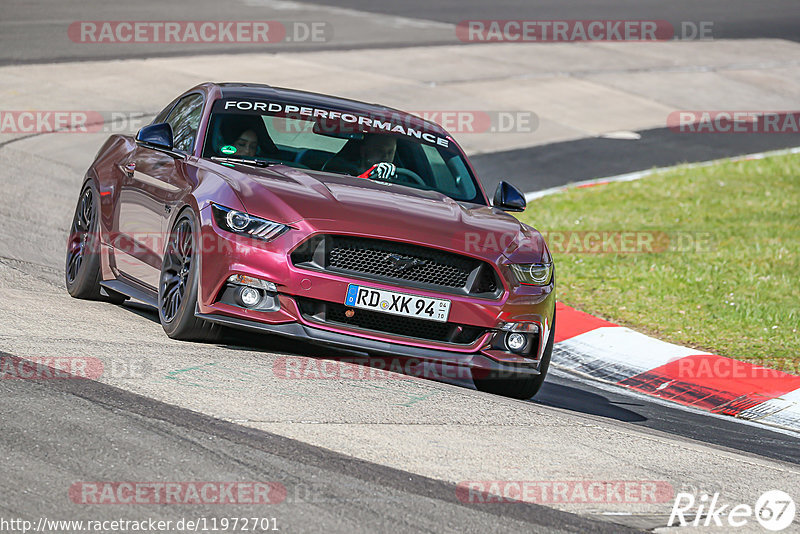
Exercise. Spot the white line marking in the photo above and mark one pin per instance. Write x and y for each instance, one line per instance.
(631, 176)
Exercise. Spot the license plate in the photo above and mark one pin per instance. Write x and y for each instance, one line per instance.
(397, 303)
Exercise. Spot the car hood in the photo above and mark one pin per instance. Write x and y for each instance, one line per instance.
(335, 203)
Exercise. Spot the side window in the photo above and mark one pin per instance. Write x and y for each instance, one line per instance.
(162, 116)
(185, 119)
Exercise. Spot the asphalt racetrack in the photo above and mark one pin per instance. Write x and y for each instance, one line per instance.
(31, 30)
(354, 455)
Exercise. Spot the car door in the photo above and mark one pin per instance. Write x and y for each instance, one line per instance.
(153, 183)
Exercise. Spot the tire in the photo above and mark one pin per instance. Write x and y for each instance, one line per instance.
(177, 286)
(82, 267)
(523, 387)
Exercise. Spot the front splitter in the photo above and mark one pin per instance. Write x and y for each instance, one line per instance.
(320, 336)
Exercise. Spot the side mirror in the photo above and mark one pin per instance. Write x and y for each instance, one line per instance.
(508, 198)
(156, 136)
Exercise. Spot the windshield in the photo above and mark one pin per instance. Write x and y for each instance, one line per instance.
(340, 142)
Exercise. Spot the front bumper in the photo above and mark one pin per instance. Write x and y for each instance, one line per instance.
(225, 254)
(476, 361)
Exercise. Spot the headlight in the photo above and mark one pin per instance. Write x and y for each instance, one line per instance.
(239, 222)
(536, 274)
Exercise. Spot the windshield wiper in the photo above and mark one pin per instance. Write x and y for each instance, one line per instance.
(253, 162)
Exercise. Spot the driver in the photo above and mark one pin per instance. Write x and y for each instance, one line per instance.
(370, 157)
(377, 154)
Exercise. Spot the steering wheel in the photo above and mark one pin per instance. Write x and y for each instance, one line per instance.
(409, 175)
(342, 167)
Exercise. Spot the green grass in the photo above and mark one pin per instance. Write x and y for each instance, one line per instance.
(738, 295)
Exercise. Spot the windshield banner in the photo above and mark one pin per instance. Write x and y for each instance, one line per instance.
(337, 122)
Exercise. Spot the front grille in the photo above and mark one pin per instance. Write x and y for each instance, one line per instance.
(334, 313)
(389, 261)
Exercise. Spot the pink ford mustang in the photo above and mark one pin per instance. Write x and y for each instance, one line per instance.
(341, 223)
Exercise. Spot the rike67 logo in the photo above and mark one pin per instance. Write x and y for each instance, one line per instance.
(774, 510)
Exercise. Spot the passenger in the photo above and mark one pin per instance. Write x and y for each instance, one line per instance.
(248, 136)
(246, 144)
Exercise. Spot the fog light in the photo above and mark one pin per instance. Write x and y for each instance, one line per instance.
(515, 341)
(249, 296)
